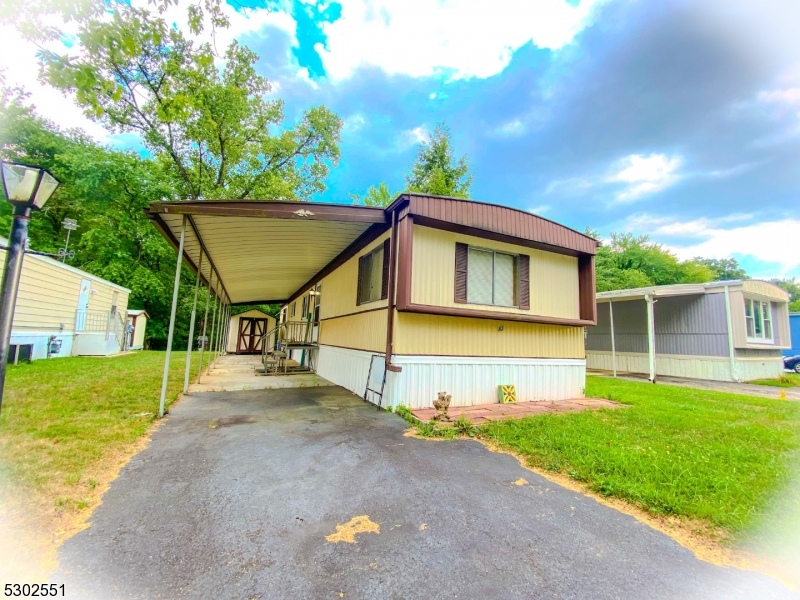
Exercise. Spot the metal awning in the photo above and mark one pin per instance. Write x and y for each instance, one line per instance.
(262, 251)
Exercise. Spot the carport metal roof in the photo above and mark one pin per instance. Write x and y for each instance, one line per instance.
(263, 251)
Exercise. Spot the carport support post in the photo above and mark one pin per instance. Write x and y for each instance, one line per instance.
(171, 333)
(211, 333)
(651, 334)
(188, 369)
(205, 323)
(613, 343)
(731, 351)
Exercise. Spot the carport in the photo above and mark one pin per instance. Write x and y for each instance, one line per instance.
(255, 252)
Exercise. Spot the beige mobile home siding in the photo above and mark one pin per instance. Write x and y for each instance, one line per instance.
(553, 277)
(754, 287)
(419, 334)
(48, 295)
(339, 288)
(361, 331)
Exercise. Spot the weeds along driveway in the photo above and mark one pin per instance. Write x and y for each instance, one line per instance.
(238, 491)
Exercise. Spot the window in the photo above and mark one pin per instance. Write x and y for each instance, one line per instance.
(758, 318)
(317, 302)
(304, 314)
(294, 308)
(491, 277)
(373, 272)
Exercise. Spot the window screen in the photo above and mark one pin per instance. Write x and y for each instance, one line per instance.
(479, 276)
(491, 278)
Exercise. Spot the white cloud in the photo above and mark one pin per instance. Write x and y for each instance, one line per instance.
(460, 38)
(539, 210)
(644, 175)
(769, 241)
(511, 129)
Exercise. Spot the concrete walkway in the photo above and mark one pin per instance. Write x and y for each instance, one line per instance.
(746, 389)
(237, 372)
(312, 493)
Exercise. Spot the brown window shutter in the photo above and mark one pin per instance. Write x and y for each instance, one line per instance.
(524, 285)
(462, 252)
(360, 289)
(385, 279)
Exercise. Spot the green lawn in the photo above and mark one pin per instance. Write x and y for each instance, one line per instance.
(788, 380)
(715, 457)
(66, 423)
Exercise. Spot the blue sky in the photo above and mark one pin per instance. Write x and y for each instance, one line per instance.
(675, 118)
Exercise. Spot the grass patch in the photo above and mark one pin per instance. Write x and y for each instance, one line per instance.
(787, 380)
(705, 455)
(67, 423)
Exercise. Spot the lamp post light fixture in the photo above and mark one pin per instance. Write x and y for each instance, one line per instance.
(27, 189)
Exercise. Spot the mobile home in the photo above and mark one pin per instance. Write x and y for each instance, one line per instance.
(63, 311)
(725, 331)
(429, 294)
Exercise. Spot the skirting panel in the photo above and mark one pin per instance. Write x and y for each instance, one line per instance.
(694, 367)
(473, 381)
(345, 367)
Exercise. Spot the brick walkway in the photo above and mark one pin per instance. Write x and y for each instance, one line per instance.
(481, 413)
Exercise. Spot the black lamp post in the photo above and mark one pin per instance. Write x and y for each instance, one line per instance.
(27, 188)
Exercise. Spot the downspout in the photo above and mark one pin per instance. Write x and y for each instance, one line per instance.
(731, 351)
(613, 343)
(392, 292)
(651, 334)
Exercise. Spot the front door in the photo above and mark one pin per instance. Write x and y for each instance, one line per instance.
(83, 304)
(251, 333)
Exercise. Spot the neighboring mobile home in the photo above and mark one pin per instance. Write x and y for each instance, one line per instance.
(246, 331)
(63, 311)
(430, 294)
(724, 331)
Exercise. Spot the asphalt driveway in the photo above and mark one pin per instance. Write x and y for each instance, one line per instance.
(237, 491)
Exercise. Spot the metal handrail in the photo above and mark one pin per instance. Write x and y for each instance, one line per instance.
(101, 321)
(290, 332)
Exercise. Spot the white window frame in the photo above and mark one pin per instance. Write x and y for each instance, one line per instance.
(515, 282)
(754, 304)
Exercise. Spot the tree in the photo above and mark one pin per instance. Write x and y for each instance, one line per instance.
(724, 269)
(211, 127)
(35, 19)
(435, 170)
(792, 287)
(106, 191)
(630, 261)
(377, 195)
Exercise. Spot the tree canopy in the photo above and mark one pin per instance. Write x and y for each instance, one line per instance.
(629, 261)
(436, 171)
(377, 195)
(210, 126)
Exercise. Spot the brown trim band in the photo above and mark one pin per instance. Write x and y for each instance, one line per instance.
(405, 238)
(366, 238)
(358, 312)
(485, 314)
(349, 348)
(491, 235)
(309, 211)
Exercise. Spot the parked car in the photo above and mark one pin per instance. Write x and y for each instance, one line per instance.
(792, 363)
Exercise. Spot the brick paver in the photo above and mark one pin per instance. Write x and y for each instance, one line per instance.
(482, 413)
